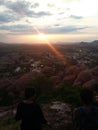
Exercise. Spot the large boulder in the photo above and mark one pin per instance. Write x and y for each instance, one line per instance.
(90, 84)
(69, 78)
(48, 71)
(26, 78)
(95, 71)
(76, 69)
(83, 77)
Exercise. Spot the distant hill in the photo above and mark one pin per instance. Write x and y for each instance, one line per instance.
(93, 43)
(2, 44)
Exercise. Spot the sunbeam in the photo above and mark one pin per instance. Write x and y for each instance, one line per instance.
(42, 36)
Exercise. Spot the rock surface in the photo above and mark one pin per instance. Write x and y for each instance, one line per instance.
(58, 115)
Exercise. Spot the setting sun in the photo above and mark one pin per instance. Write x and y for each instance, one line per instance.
(42, 36)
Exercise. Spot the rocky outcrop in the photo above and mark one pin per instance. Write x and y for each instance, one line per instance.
(59, 115)
(90, 84)
(69, 78)
(77, 75)
(83, 77)
(95, 71)
(76, 69)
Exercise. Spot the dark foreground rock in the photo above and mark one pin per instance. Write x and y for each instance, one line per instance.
(59, 116)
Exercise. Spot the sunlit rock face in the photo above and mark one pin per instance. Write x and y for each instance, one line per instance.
(75, 74)
(95, 71)
(83, 77)
(69, 78)
(90, 84)
(76, 69)
(59, 115)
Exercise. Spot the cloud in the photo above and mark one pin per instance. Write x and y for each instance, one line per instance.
(76, 17)
(8, 17)
(35, 5)
(29, 29)
(5, 18)
(2, 2)
(24, 8)
(41, 13)
(19, 28)
(63, 30)
(50, 5)
(56, 25)
(20, 7)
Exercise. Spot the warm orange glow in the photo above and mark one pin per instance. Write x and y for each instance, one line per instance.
(42, 36)
(56, 52)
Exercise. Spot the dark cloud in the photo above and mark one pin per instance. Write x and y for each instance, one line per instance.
(35, 5)
(29, 29)
(62, 30)
(2, 2)
(24, 8)
(41, 13)
(18, 28)
(76, 17)
(8, 17)
(5, 18)
(20, 7)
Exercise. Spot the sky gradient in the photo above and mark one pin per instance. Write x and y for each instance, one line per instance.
(61, 20)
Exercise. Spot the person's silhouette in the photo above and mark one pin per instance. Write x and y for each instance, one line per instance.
(86, 116)
(29, 112)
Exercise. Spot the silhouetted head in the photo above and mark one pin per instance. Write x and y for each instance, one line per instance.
(29, 92)
(87, 96)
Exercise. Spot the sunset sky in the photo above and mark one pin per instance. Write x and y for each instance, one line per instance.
(21, 21)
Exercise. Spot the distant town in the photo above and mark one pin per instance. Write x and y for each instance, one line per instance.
(16, 59)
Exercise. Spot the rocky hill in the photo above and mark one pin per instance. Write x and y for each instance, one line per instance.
(47, 81)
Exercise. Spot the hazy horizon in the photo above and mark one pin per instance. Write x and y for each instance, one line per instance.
(35, 43)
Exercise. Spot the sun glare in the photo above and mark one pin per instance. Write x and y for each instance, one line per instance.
(42, 36)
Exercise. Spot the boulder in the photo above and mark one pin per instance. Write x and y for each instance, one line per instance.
(95, 71)
(69, 78)
(83, 77)
(90, 84)
(76, 69)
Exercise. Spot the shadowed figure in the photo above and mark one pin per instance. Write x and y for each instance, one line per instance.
(86, 116)
(29, 112)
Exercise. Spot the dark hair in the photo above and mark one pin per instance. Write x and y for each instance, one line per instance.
(29, 92)
(87, 96)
